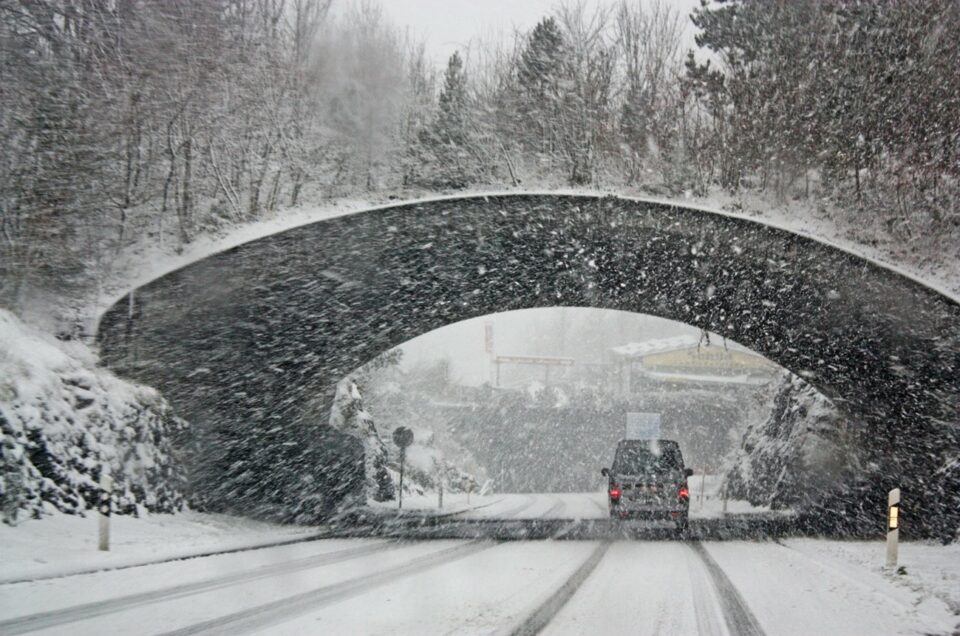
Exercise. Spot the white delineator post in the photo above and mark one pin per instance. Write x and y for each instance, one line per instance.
(403, 456)
(893, 527)
(106, 494)
(703, 481)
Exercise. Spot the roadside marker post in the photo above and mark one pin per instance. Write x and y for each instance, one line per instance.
(703, 480)
(893, 527)
(402, 437)
(438, 471)
(106, 494)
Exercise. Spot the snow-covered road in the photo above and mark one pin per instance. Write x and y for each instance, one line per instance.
(375, 586)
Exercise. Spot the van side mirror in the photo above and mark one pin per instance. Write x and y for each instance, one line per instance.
(688, 472)
(605, 472)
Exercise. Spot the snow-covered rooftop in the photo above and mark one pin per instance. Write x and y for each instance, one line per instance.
(674, 343)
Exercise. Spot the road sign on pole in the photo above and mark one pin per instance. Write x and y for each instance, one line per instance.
(402, 437)
(893, 527)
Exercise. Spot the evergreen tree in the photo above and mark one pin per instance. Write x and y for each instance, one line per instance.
(451, 127)
(540, 74)
(450, 161)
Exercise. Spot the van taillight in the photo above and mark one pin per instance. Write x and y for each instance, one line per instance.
(614, 492)
(683, 493)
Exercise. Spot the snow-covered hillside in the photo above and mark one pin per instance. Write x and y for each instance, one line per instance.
(62, 418)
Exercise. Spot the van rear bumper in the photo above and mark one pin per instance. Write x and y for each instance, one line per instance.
(653, 514)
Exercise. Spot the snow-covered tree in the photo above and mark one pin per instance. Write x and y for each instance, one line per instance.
(348, 415)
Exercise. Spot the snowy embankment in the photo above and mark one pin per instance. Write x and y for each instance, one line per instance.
(926, 569)
(61, 545)
(63, 419)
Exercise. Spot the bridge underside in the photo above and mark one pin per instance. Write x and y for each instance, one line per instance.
(242, 341)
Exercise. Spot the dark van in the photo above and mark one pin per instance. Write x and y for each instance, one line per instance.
(649, 481)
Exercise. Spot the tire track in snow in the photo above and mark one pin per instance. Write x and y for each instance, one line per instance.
(509, 513)
(738, 617)
(542, 615)
(54, 618)
(512, 513)
(262, 616)
(506, 514)
(554, 511)
(604, 509)
(706, 605)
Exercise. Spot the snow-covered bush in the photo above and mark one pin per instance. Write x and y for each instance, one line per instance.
(795, 455)
(62, 419)
(348, 415)
(426, 468)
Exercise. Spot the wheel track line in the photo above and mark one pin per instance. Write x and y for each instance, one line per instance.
(706, 606)
(285, 609)
(516, 510)
(53, 618)
(554, 510)
(737, 615)
(506, 514)
(446, 515)
(604, 509)
(510, 513)
(542, 615)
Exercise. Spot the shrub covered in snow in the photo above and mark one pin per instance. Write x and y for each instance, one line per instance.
(62, 419)
(348, 415)
(795, 455)
(426, 467)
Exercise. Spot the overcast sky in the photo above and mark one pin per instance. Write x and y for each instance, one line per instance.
(448, 25)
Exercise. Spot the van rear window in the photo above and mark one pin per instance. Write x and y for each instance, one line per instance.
(646, 458)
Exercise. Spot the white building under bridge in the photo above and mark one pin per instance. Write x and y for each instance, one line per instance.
(688, 361)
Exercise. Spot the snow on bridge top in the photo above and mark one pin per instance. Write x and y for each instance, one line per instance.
(142, 268)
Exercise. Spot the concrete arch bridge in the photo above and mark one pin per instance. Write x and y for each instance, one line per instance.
(242, 340)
